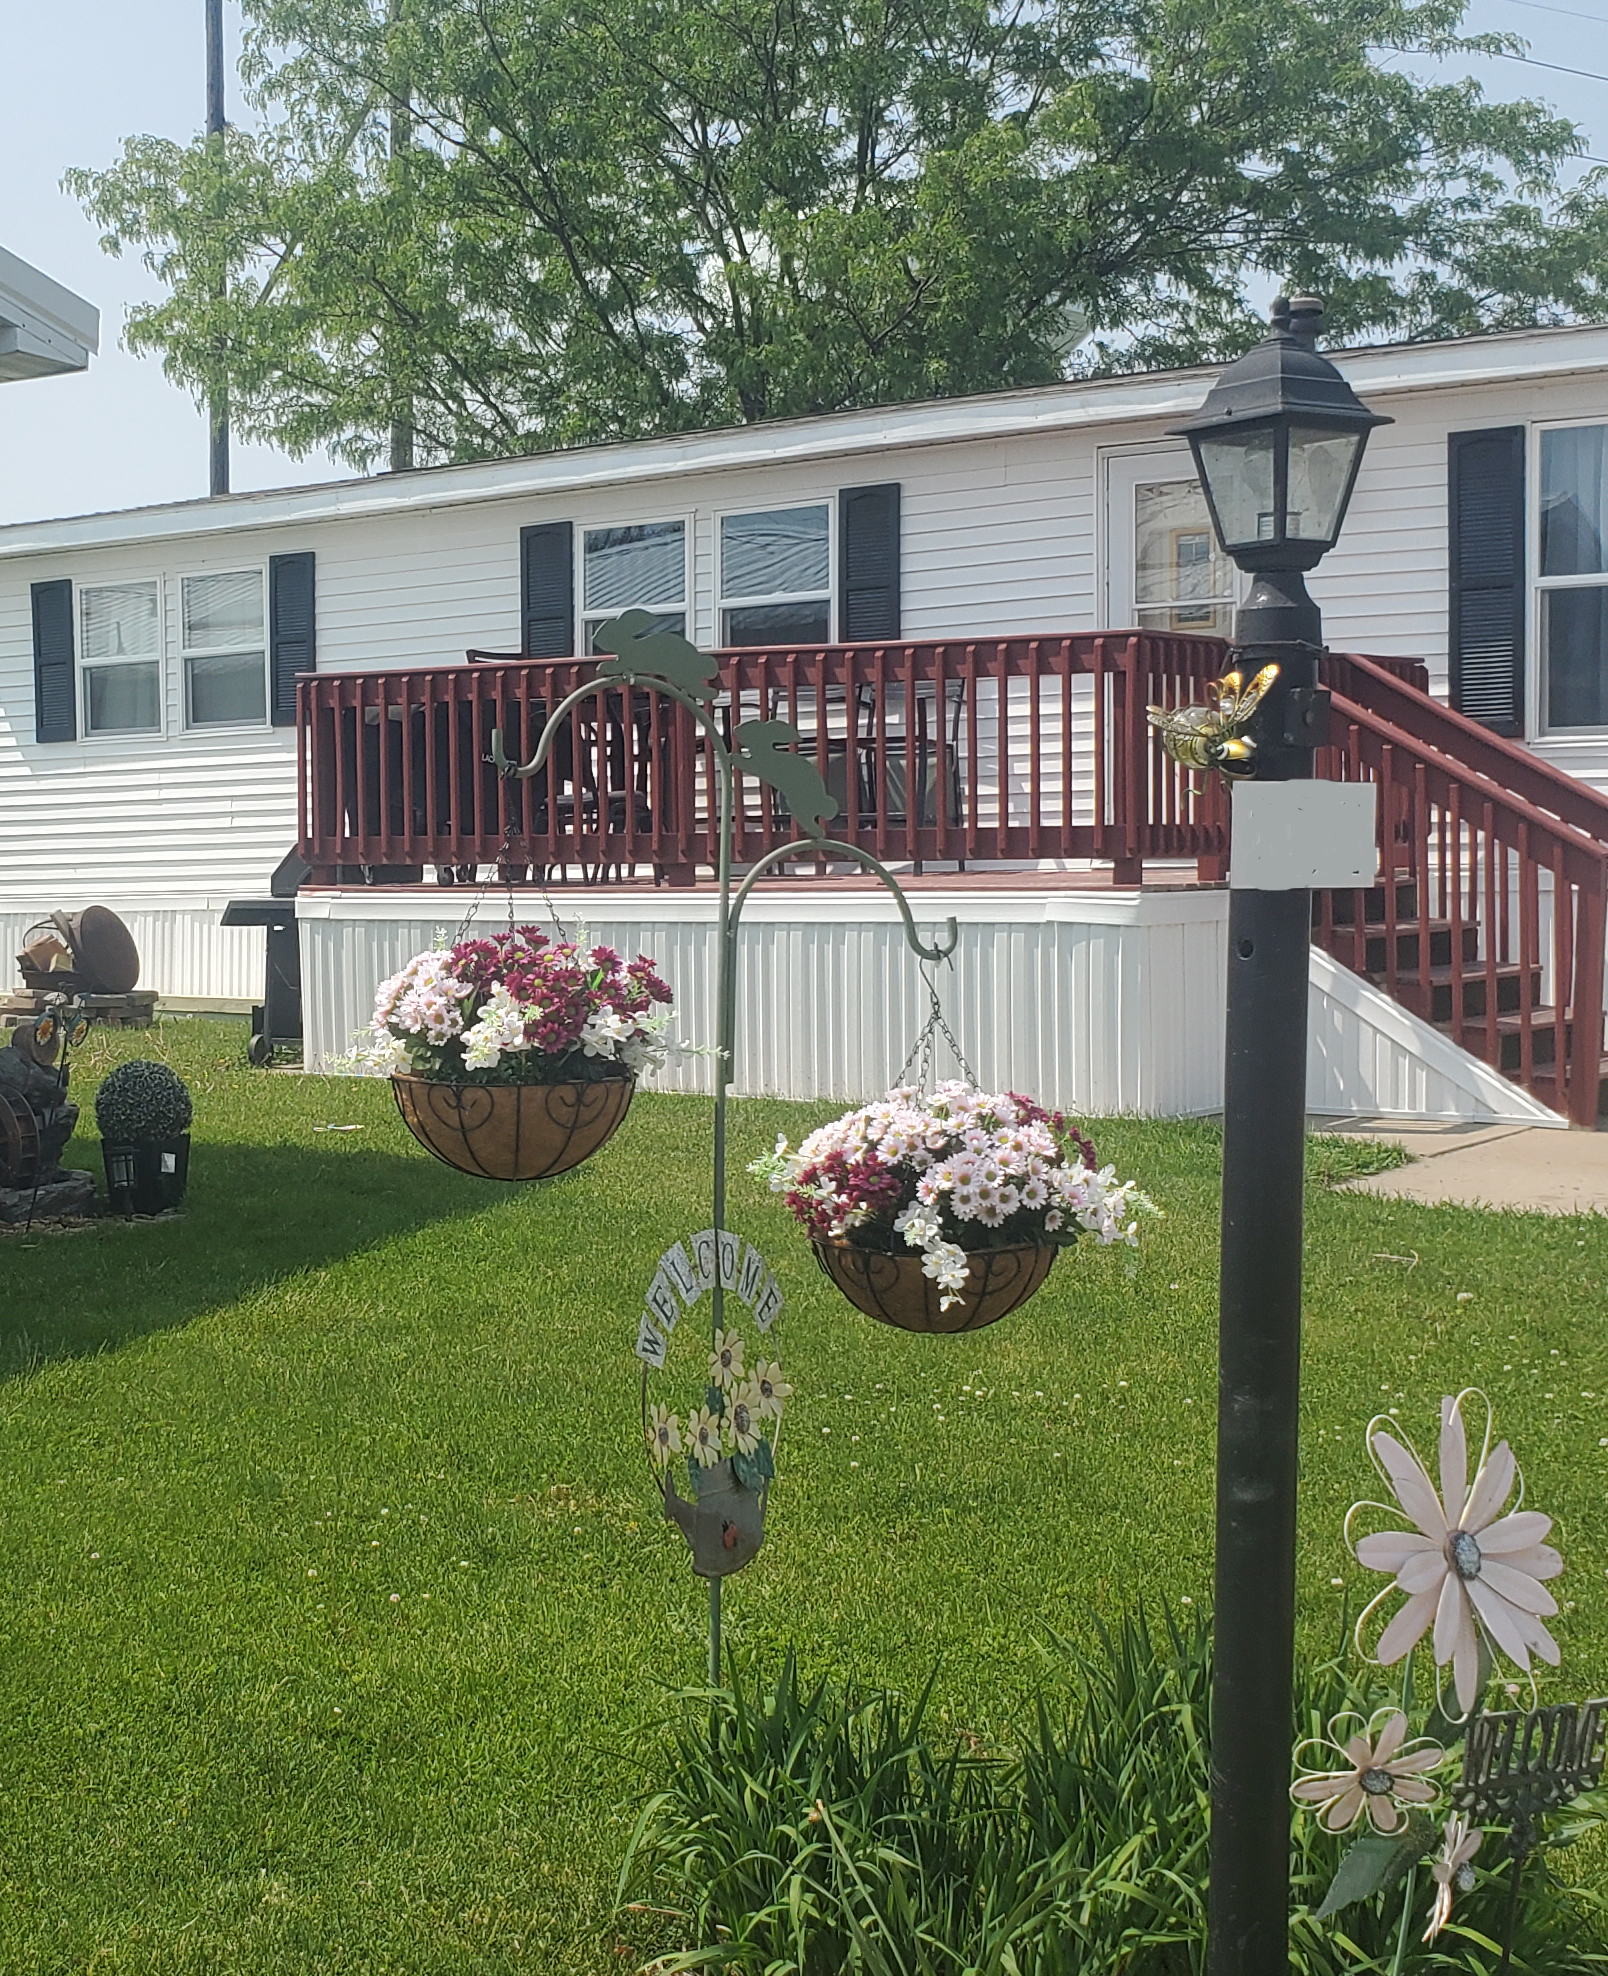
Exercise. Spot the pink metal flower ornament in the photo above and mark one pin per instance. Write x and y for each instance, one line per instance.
(1452, 1871)
(1375, 1772)
(1466, 1569)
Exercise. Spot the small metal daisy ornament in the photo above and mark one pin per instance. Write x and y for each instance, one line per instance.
(728, 1443)
(1378, 1771)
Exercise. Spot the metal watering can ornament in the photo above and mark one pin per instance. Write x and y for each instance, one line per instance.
(729, 1442)
(723, 1518)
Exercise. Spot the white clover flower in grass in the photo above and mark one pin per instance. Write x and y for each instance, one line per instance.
(664, 1435)
(703, 1437)
(726, 1361)
(1452, 1869)
(1465, 1568)
(1377, 1772)
(770, 1387)
(743, 1419)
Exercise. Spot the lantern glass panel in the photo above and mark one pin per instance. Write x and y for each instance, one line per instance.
(1237, 467)
(1321, 463)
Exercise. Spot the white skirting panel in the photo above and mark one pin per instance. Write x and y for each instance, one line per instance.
(1092, 1001)
(183, 951)
(1367, 1055)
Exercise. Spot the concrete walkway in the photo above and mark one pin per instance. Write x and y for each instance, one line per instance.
(1528, 1167)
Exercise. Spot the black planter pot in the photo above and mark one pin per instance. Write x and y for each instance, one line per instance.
(147, 1179)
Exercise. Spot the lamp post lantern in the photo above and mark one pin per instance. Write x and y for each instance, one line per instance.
(1277, 445)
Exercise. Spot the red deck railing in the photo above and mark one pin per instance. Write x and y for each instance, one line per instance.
(947, 751)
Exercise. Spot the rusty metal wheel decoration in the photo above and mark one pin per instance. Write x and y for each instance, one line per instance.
(512, 1131)
(894, 1290)
(19, 1142)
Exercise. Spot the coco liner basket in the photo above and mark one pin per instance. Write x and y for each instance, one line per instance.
(895, 1290)
(513, 1131)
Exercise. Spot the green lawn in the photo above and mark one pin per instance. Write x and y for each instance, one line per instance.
(337, 1607)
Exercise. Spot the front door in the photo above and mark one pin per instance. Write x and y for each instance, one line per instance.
(1163, 568)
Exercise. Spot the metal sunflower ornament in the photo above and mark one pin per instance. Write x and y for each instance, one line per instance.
(1201, 738)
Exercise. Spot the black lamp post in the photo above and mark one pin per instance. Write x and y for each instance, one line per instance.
(1277, 445)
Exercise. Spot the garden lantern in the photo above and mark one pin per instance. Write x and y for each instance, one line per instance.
(1277, 445)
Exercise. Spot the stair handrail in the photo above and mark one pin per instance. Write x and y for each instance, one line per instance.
(1576, 858)
(1583, 844)
(1497, 760)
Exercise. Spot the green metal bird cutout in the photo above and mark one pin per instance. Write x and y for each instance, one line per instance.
(766, 749)
(642, 652)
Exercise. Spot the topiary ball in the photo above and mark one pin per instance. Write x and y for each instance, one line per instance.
(142, 1104)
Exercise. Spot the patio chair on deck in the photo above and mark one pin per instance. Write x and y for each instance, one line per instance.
(844, 726)
(936, 736)
(564, 794)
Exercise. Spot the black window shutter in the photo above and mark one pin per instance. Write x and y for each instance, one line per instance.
(547, 590)
(292, 631)
(868, 561)
(55, 688)
(1485, 481)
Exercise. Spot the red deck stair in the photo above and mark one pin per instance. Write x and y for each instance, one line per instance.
(1492, 926)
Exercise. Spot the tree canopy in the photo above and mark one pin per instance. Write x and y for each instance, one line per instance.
(507, 225)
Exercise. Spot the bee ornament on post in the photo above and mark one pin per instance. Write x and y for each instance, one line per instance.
(1201, 738)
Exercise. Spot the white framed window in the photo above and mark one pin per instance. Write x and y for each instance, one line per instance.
(642, 566)
(223, 649)
(776, 576)
(1572, 575)
(1182, 581)
(120, 657)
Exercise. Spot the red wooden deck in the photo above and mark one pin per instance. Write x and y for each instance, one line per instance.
(953, 761)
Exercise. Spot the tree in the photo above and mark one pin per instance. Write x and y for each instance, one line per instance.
(619, 217)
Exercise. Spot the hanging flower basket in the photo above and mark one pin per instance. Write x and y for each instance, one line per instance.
(944, 1213)
(894, 1289)
(516, 1057)
(513, 1131)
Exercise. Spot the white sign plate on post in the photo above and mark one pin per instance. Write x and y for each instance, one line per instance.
(1292, 836)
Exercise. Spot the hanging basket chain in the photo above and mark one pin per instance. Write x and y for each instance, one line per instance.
(923, 1052)
(505, 864)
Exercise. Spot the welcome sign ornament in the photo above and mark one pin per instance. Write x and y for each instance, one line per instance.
(728, 1443)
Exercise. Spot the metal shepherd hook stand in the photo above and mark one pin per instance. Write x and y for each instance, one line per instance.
(664, 662)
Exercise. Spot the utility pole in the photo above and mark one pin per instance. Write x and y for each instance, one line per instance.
(218, 398)
(400, 133)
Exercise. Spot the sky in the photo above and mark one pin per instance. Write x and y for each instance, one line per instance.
(122, 436)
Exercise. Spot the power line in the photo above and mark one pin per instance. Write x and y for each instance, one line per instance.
(1534, 62)
(1573, 13)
